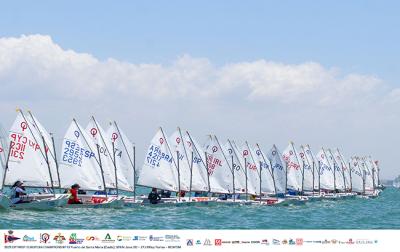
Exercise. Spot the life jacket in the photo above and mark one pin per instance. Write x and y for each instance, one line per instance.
(71, 197)
(14, 193)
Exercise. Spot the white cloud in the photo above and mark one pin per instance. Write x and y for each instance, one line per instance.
(35, 62)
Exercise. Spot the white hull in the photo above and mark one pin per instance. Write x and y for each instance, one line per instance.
(41, 204)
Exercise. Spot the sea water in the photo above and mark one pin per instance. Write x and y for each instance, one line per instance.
(379, 213)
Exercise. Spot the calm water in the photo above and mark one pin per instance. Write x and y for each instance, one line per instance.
(379, 213)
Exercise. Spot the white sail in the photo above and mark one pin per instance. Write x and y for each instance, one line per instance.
(78, 163)
(356, 175)
(237, 166)
(159, 169)
(40, 131)
(325, 171)
(307, 169)
(374, 169)
(369, 184)
(253, 172)
(345, 168)
(267, 180)
(178, 148)
(197, 159)
(278, 169)
(219, 170)
(27, 162)
(338, 173)
(314, 165)
(294, 168)
(123, 148)
(97, 135)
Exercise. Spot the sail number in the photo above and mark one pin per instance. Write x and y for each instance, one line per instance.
(74, 154)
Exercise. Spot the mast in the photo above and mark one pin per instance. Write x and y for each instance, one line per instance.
(187, 159)
(208, 175)
(101, 169)
(319, 177)
(233, 178)
(55, 159)
(115, 166)
(260, 179)
(191, 177)
(6, 166)
(48, 166)
(134, 172)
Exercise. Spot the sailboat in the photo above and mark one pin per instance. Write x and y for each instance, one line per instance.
(159, 169)
(267, 185)
(369, 186)
(80, 163)
(124, 156)
(357, 177)
(28, 162)
(326, 176)
(221, 176)
(279, 170)
(308, 172)
(340, 186)
(241, 182)
(294, 170)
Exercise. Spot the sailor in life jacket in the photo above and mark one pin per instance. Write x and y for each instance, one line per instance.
(73, 195)
(17, 190)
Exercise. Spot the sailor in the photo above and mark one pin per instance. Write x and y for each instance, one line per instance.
(17, 191)
(154, 197)
(182, 193)
(73, 198)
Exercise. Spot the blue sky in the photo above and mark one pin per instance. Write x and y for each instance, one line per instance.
(317, 72)
(356, 35)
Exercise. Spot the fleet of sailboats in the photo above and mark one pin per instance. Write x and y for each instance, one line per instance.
(103, 163)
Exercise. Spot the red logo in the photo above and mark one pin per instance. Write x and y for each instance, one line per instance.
(245, 153)
(178, 140)
(161, 140)
(114, 136)
(299, 241)
(218, 242)
(24, 126)
(93, 131)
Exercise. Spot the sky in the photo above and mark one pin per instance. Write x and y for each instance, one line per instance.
(323, 73)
